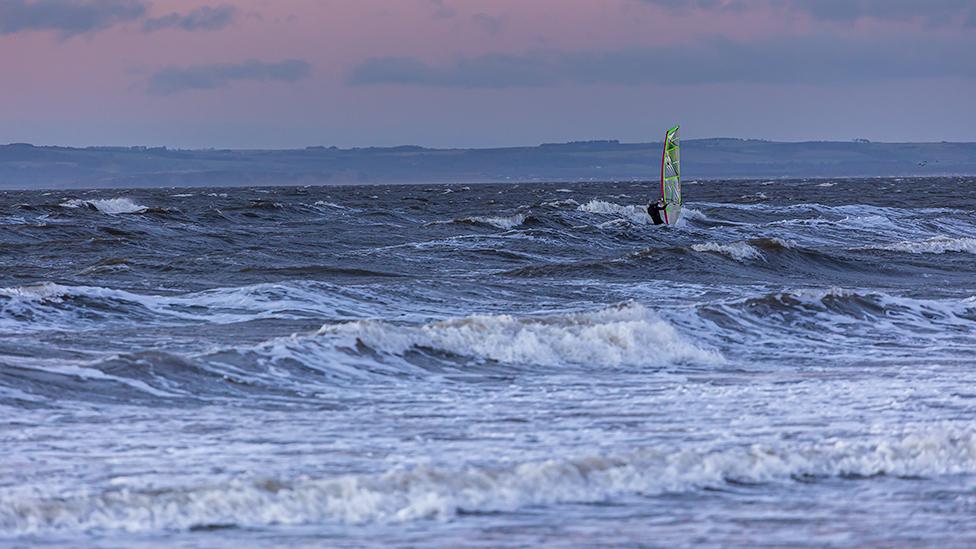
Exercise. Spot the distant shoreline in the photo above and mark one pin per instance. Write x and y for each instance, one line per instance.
(24, 166)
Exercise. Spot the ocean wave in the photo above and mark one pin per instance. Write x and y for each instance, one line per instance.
(934, 245)
(333, 205)
(864, 303)
(50, 306)
(55, 306)
(835, 211)
(635, 214)
(499, 222)
(842, 324)
(739, 251)
(691, 213)
(111, 206)
(443, 492)
(627, 335)
(13, 220)
(565, 203)
(746, 250)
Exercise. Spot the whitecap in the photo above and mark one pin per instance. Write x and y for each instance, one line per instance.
(502, 222)
(442, 492)
(739, 251)
(935, 245)
(636, 214)
(111, 206)
(692, 213)
(612, 337)
(566, 203)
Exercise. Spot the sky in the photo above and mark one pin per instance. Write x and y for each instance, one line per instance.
(482, 73)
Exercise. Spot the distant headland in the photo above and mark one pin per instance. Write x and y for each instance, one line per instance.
(25, 166)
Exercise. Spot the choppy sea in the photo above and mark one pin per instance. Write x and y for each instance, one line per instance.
(793, 363)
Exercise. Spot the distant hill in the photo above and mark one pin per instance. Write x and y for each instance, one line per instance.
(27, 166)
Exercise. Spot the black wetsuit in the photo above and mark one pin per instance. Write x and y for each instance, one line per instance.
(654, 210)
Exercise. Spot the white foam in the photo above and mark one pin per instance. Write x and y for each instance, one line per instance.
(502, 222)
(566, 203)
(73, 203)
(111, 206)
(625, 335)
(442, 492)
(692, 213)
(739, 251)
(41, 306)
(935, 245)
(636, 214)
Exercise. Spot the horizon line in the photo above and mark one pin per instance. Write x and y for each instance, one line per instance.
(147, 148)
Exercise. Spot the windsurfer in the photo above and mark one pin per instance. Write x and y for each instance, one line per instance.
(654, 210)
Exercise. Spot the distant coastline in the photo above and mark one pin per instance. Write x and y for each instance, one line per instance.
(25, 166)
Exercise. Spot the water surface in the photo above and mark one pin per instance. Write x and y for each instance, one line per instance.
(490, 365)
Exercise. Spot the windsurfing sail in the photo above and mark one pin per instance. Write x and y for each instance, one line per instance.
(671, 176)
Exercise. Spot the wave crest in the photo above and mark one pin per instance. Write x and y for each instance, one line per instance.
(934, 245)
(433, 492)
(636, 214)
(111, 206)
(739, 251)
(626, 335)
(499, 222)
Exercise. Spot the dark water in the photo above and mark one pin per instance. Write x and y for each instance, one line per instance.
(793, 363)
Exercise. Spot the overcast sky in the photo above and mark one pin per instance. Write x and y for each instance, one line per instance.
(477, 73)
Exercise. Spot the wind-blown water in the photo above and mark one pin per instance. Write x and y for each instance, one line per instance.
(793, 363)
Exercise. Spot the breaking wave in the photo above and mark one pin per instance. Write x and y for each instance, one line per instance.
(636, 214)
(499, 222)
(739, 251)
(50, 305)
(934, 245)
(111, 206)
(743, 251)
(692, 214)
(438, 492)
(565, 203)
(628, 335)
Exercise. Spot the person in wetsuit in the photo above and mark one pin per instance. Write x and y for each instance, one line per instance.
(656, 212)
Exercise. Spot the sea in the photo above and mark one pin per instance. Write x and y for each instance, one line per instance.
(492, 365)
